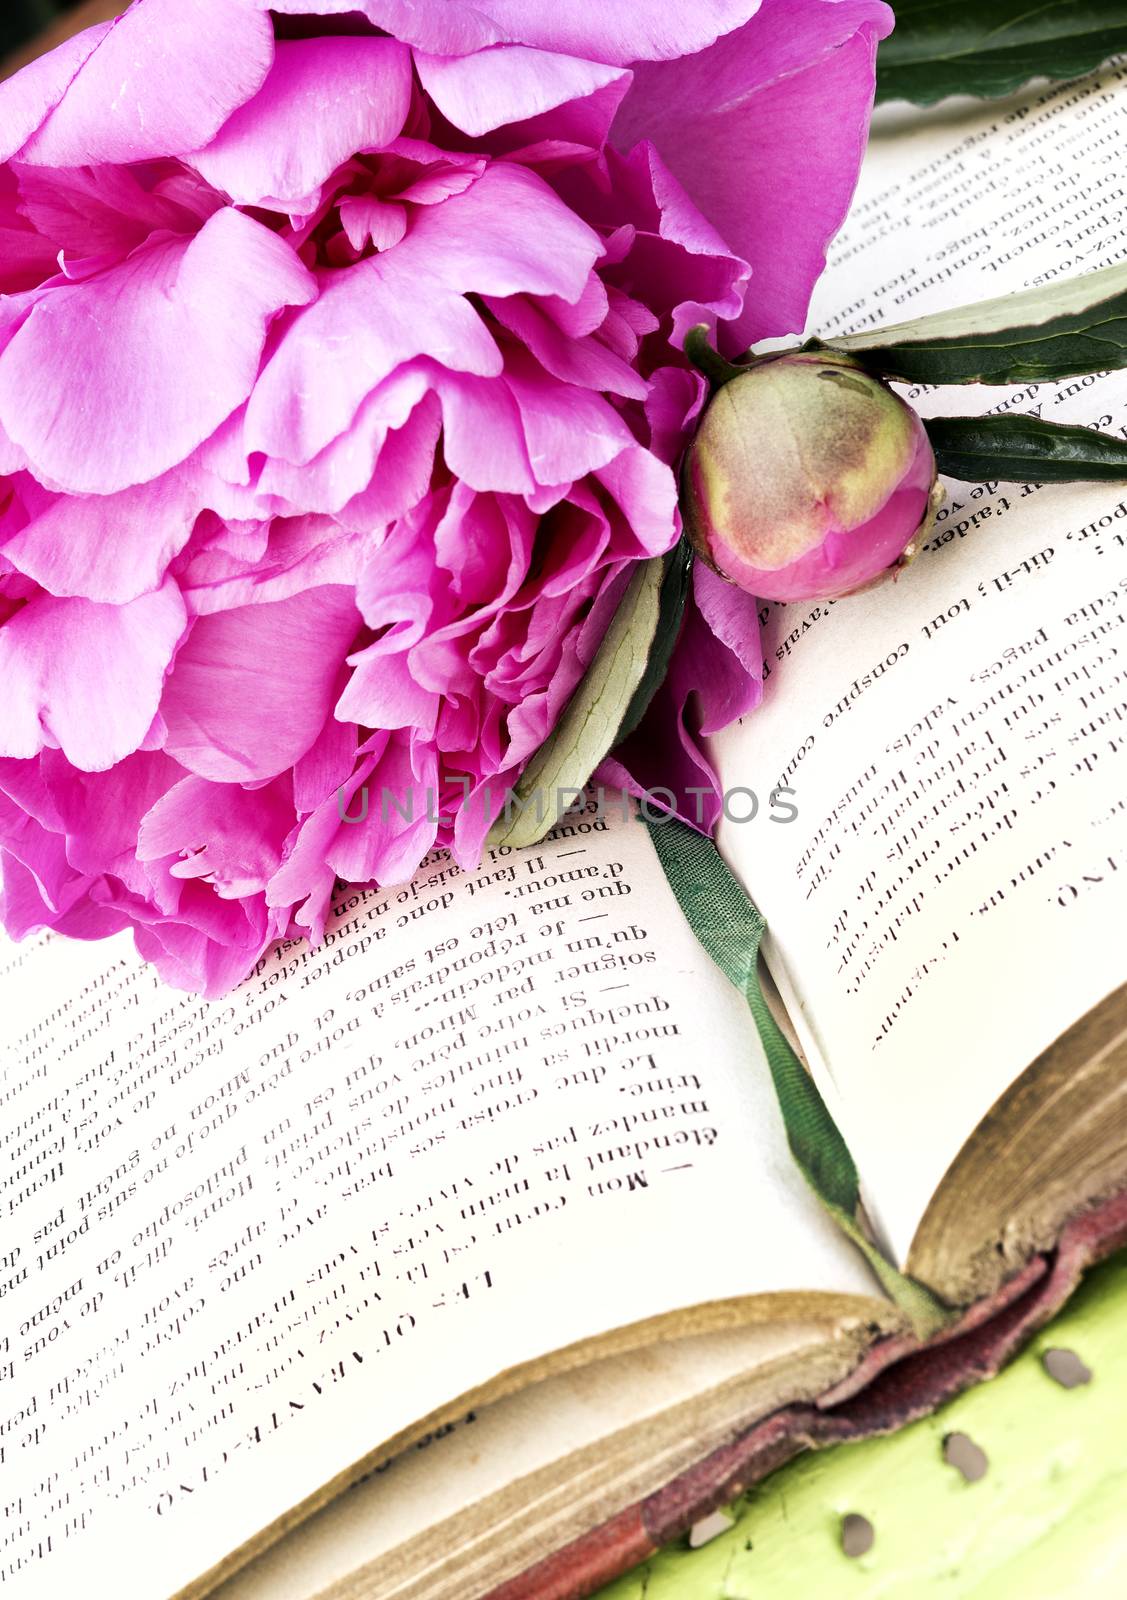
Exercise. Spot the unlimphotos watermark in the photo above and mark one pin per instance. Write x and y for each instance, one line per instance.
(657, 805)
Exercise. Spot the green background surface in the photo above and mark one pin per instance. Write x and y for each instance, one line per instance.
(1047, 1521)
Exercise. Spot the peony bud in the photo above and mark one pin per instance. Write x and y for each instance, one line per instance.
(807, 478)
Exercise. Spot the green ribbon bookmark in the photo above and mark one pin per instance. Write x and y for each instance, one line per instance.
(731, 929)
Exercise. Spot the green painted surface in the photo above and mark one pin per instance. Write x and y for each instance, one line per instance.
(1047, 1521)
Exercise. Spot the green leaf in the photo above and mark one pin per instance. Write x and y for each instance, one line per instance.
(730, 929)
(991, 47)
(675, 588)
(593, 716)
(1019, 449)
(1076, 326)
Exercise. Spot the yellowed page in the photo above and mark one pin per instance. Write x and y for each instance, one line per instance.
(509, 1449)
(246, 1242)
(954, 891)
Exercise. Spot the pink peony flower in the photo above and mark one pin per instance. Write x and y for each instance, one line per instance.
(340, 389)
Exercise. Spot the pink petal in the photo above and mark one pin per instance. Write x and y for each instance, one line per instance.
(324, 99)
(106, 211)
(162, 80)
(643, 30)
(86, 677)
(100, 812)
(583, 361)
(369, 320)
(345, 467)
(795, 85)
(228, 835)
(311, 552)
(401, 824)
(34, 92)
(305, 876)
(109, 548)
(366, 219)
(729, 670)
(115, 347)
(252, 687)
(449, 27)
(483, 437)
(569, 432)
(206, 964)
(403, 471)
(509, 83)
(327, 763)
(646, 491)
(507, 234)
(384, 694)
(26, 904)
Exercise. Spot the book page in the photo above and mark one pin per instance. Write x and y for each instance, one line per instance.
(247, 1242)
(516, 1479)
(953, 893)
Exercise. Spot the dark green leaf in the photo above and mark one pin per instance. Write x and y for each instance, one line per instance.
(1078, 325)
(1019, 449)
(991, 47)
(671, 608)
(731, 928)
(592, 717)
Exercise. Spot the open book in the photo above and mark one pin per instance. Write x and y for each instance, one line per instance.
(499, 1168)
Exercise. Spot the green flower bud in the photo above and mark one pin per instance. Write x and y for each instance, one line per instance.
(807, 478)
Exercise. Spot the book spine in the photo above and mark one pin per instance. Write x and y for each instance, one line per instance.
(909, 1380)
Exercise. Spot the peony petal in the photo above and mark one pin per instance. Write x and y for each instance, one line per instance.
(345, 467)
(403, 472)
(311, 552)
(100, 812)
(509, 83)
(382, 693)
(368, 220)
(583, 361)
(569, 432)
(162, 80)
(207, 964)
(86, 677)
(109, 548)
(795, 83)
(507, 234)
(323, 100)
(328, 762)
(401, 825)
(643, 30)
(483, 439)
(448, 27)
(105, 211)
(113, 348)
(252, 687)
(729, 671)
(229, 835)
(369, 320)
(305, 876)
(30, 96)
(646, 491)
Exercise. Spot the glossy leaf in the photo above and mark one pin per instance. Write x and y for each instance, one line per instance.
(675, 587)
(1020, 449)
(1077, 325)
(991, 47)
(592, 718)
